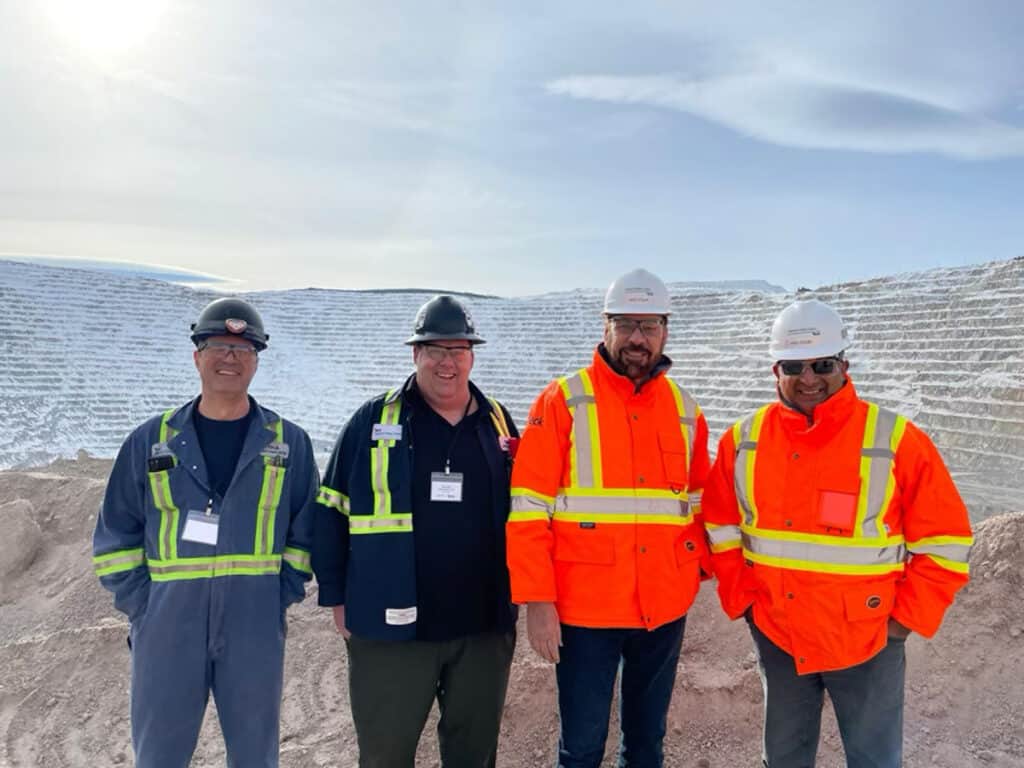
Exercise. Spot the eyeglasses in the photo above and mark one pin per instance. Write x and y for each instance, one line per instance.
(822, 367)
(438, 352)
(649, 326)
(223, 348)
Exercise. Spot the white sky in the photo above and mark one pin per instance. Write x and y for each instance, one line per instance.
(513, 148)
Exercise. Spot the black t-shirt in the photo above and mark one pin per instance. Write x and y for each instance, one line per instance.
(456, 572)
(221, 443)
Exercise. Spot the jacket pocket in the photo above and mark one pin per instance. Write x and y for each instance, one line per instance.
(673, 461)
(837, 511)
(585, 547)
(869, 601)
(688, 548)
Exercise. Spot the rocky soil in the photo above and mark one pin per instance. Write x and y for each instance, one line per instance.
(64, 662)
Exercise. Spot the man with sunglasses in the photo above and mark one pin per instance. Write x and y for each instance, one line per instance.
(410, 553)
(605, 539)
(836, 531)
(204, 538)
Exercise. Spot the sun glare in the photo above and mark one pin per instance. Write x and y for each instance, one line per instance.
(106, 29)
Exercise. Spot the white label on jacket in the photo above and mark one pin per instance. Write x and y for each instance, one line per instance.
(446, 486)
(400, 616)
(201, 528)
(386, 432)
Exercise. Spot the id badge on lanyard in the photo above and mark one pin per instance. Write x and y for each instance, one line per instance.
(202, 527)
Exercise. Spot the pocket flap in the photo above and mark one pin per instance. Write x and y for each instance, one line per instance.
(869, 601)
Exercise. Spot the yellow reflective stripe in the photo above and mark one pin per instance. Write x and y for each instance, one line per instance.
(745, 437)
(866, 460)
(687, 417)
(498, 418)
(299, 559)
(585, 439)
(589, 517)
(333, 499)
(270, 498)
(118, 561)
(723, 537)
(160, 488)
(951, 548)
(527, 516)
(379, 457)
(184, 568)
(950, 565)
(396, 523)
(826, 554)
(819, 567)
(883, 430)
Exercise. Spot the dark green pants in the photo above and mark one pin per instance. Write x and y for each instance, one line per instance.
(393, 685)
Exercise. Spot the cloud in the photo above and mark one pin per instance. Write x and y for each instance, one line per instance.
(799, 110)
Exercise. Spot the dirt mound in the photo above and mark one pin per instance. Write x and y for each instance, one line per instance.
(64, 685)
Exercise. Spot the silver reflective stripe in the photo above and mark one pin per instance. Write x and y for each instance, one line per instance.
(621, 505)
(745, 453)
(379, 521)
(722, 534)
(826, 554)
(581, 403)
(527, 503)
(959, 553)
(880, 456)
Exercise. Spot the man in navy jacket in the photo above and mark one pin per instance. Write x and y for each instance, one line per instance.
(409, 553)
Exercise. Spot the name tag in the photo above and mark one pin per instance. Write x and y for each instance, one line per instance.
(386, 432)
(201, 528)
(446, 487)
(276, 450)
(400, 616)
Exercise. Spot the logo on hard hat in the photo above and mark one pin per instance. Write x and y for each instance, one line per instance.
(638, 295)
(235, 325)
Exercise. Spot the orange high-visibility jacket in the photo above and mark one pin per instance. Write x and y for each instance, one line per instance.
(606, 486)
(830, 528)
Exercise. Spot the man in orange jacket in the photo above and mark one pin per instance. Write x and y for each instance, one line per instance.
(604, 539)
(836, 531)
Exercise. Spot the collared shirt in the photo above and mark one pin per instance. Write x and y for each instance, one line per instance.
(456, 585)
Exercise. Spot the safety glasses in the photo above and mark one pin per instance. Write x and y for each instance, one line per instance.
(822, 367)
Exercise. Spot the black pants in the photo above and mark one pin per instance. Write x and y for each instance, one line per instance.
(393, 686)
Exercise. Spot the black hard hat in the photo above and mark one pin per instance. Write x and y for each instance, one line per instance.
(230, 317)
(443, 317)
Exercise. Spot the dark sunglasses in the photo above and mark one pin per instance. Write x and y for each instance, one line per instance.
(821, 367)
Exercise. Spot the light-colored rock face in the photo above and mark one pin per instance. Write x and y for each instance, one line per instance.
(86, 356)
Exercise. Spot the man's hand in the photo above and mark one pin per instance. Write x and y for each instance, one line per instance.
(544, 630)
(897, 630)
(339, 621)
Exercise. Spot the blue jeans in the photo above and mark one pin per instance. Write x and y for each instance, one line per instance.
(590, 660)
(867, 699)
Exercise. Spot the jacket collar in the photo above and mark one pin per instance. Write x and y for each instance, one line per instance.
(622, 384)
(834, 411)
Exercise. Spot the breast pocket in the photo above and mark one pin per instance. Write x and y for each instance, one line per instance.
(673, 461)
(837, 511)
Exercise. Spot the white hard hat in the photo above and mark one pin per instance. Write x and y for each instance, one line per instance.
(808, 329)
(637, 293)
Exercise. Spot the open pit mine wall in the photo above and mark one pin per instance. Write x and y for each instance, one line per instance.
(86, 355)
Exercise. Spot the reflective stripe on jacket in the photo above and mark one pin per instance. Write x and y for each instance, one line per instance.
(830, 529)
(606, 495)
(364, 555)
(265, 518)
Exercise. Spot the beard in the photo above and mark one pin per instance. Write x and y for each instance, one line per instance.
(635, 361)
